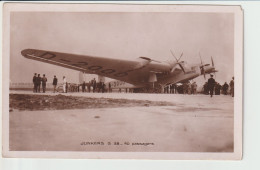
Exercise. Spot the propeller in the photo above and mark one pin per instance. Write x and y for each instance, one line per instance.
(202, 68)
(212, 62)
(178, 61)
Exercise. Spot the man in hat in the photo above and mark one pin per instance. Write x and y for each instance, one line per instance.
(194, 87)
(231, 84)
(211, 84)
(44, 80)
(225, 88)
(54, 83)
(38, 82)
(84, 86)
(35, 82)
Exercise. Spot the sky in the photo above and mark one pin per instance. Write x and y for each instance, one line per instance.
(123, 35)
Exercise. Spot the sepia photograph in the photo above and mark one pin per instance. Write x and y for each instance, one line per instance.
(115, 81)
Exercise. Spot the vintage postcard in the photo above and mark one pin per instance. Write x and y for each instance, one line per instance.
(122, 81)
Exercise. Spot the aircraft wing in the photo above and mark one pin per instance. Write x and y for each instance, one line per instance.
(134, 72)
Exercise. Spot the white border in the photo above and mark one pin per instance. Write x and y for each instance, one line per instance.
(238, 62)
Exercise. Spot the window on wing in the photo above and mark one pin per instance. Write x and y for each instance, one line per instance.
(121, 74)
(94, 68)
(48, 55)
(108, 71)
(80, 64)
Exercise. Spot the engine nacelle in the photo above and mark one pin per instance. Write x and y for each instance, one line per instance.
(143, 61)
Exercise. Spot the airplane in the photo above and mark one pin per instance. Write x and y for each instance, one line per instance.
(142, 73)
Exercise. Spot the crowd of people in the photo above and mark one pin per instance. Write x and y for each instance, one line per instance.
(93, 86)
(210, 87)
(38, 81)
(184, 88)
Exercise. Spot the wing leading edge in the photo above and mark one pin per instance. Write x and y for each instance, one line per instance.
(124, 70)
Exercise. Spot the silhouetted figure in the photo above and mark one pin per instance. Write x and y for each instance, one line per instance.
(38, 81)
(174, 88)
(94, 84)
(211, 84)
(232, 84)
(185, 88)
(194, 88)
(35, 82)
(109, 88)
(84, 87)
(205, 88)
(225, 88)
(217, 89)
(54, 83)
(103, 87)
(44, 80)
(189, 88)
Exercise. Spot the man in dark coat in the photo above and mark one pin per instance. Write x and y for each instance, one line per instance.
(54, 83)
(205, 88)
(217, 88)
(225, 88)
(84, 87)
(94, 85)
(109, 88)
(211, 84)
(232, 84)
(35, 82)
(38, 81)
(44, 80)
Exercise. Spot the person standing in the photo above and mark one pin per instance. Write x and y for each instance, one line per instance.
(84, 87)
(211, 84)
(205, 88)
(44, 80)
(38, 81)
(171, 88)
(94, 85)
(174, 88)
(217, 89)
(189, 88)
(194, 88)
(89, 86)
(54, 83)
(64, 84)
(109, 88)
(35, 82)
(185, 88)
(104, 87)
(67, 86)
(225, 88)
(231, 84)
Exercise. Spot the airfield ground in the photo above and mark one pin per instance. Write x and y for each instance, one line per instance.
(121, 122)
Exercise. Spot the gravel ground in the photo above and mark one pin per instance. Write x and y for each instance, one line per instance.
(31, 102)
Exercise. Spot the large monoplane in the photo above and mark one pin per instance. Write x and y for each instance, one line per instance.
(143, 72)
